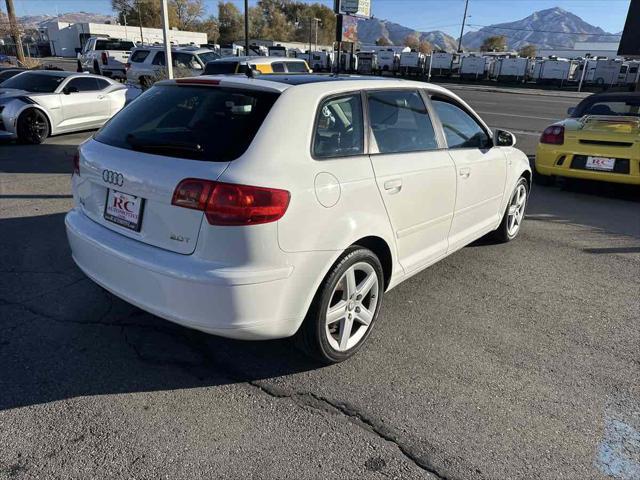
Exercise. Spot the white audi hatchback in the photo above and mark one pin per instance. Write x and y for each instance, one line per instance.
(261, 209)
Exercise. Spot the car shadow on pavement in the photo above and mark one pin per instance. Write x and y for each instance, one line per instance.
(62, 336)
(53, 156)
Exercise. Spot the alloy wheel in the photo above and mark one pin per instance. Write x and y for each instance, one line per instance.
(515, 213)
(352, 306)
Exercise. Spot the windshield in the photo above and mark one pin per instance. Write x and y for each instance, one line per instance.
(193, 122)
(114, 45)
(220, 68)
(34, 82)
(208, 57)
(616, 107)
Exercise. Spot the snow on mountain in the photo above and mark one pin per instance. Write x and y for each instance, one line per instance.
(370, 30)
(543, 29)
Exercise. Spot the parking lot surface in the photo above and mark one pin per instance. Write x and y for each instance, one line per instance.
(502, 361)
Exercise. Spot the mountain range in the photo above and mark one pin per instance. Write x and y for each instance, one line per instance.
(543, 29)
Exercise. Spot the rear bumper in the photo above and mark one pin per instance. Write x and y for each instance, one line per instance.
(230, 302)
(548, 162)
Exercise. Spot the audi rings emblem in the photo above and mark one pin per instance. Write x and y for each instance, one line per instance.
(114, 178)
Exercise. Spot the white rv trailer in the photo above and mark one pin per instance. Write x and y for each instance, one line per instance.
(473, 67)
(277, 51)
(512, 69)
(441, 64)
(231, 50)
(388, 61)
(321, 61)
(412, 63)
(367, 62)
(629, 73)
(552, 70)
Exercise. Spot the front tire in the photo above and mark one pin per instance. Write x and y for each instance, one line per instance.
(33, 127)
(345, 308)
(514, 214)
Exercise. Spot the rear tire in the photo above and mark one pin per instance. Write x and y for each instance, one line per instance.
(514, 213)
(544, 180)
(344, 309)
(33, 127)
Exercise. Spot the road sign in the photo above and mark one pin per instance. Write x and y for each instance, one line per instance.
(358, 8)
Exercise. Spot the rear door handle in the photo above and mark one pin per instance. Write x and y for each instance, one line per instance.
(100, 97)
(465, 172)
(393, 186)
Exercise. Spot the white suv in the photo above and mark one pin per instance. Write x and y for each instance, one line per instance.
(260, 209)
(146, 64)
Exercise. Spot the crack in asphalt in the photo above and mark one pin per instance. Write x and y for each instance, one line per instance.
(190, 340)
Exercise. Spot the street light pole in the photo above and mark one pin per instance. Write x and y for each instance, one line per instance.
(246, 27)
(15, 31)
(167, 41)
(140, 22)
(464, 21)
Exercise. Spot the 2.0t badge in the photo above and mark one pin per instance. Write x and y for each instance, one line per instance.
(114, 178)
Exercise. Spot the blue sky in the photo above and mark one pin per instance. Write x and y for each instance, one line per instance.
(422, 15)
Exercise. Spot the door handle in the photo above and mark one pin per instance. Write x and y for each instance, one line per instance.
(100, 97)
(465, 172)
(393, 186)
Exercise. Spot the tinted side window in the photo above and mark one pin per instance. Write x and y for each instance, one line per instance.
(139, 56)
(296, 67)
(460, 129)
(339, 128)
(278, 67)
(159, 59)
(400, 122)
(84, 84)
(102, 84)
(183, 60)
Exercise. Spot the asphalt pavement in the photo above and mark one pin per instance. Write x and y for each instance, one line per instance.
(510, 361)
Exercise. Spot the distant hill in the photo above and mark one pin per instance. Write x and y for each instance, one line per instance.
(542, 29)
(35, 21)
(370, 30)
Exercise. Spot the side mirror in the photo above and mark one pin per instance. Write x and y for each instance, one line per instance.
(68, 90)
(505, 139)
(196, 66)
(571, 111)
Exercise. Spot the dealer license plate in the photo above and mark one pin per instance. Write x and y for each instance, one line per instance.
(124, 209)
(601, 163)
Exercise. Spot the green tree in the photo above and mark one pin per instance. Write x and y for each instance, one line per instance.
(496, 43)
(210, 27)
(138, 12)
(187, 13)
(230, 23)
(383, 42)
(528, 51)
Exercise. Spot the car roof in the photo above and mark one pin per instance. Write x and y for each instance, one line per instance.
(182, 49)
(282, 82)
(54, 73)
(256, 59)
(614, 96)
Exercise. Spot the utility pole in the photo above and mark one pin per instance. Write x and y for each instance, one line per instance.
(15, 31)
(167, 41)
(585, 65)
(464, 21)
(140, 22)
(246, 27)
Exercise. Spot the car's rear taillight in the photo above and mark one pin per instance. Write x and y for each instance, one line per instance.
(76, 163)
(553, 135)
(105, 59)
(231, 204)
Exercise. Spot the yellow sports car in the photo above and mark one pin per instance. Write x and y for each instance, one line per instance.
(600, 141)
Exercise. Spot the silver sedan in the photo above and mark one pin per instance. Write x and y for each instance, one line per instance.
(37, 104)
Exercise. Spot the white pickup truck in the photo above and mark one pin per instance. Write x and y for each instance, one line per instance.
(105, 56)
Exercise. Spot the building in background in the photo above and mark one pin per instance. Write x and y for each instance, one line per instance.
(66, 39)
(580, 49)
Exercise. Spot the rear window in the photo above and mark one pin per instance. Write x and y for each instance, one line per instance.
(297, 67)
(139, 56)
(192, 122)
(620, 107)
(114, 45)
(220, 68)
